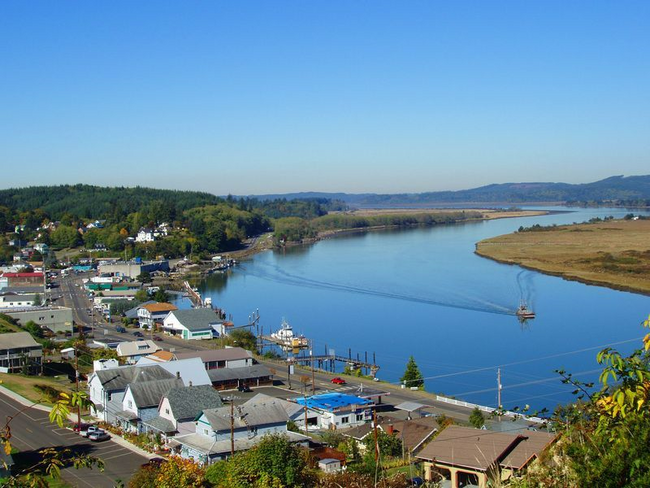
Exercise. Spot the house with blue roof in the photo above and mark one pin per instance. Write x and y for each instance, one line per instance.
(338, 410)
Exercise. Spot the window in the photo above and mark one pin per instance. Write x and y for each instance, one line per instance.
(345, 420)
(206, 431)
(167, 411)
(130, 404)
(359, 417)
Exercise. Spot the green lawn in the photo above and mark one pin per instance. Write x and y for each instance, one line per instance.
(24, 385)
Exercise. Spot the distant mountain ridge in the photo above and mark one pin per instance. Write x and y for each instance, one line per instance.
(619, 188)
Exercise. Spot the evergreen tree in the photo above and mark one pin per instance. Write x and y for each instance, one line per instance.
(412, 376)
(476, 418)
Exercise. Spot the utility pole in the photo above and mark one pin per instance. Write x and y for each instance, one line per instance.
(313, 380)
(76, 375)
(305, 399)
(232, 427)
(499, 387)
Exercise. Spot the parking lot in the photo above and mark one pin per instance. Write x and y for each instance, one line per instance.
(32, 430)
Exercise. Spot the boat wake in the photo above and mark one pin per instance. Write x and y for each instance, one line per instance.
(278, 275)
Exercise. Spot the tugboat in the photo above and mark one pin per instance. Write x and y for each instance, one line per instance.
(286, 338)
(523, 312)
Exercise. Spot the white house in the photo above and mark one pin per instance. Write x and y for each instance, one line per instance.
(133, 350)
(154, 313)
(179, 408)
(338, 410)
(106, 387)
(196, 323)
(20, 301)
(215, 428)
(145, 235)
(141, 401)
(189, 370)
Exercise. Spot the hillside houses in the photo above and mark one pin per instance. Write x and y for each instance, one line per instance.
(111, 387)
(219, 430)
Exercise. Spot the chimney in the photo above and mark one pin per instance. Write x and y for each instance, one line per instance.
(178, 375)
(391, 429)
(190, 383)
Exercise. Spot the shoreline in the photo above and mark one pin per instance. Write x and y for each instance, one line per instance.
(578, 252)
(565, 276)
(264, 242)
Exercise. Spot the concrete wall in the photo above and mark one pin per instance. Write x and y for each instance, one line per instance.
(55, 319)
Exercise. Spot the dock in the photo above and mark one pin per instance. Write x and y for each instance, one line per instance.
(327, 362)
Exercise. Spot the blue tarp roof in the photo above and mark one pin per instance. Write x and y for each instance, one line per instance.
(332, 401)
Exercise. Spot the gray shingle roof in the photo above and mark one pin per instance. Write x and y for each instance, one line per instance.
(161, 424)
(228, 354)
(243, 373)
(259, 410)
(190, 401)
(196, 319)
(149, 393)
(119, 378)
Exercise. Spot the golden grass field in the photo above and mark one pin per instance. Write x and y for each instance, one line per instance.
(614, 253)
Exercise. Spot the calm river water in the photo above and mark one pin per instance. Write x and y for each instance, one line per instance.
(423, 292)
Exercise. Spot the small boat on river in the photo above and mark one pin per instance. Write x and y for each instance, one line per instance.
(524, 313)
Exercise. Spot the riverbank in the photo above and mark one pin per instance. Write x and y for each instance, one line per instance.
(266, 241)
(615, 254)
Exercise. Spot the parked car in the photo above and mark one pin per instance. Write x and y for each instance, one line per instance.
(79, 427)
(91, 429)
(157, 338)
(338, 381)
(244, 388)
(417, 481)
(153, 463)
(99, 436)
(137, 333)
(120, 329)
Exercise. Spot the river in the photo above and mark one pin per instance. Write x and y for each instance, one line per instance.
(423, 292)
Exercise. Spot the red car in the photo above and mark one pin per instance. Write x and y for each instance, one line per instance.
(338, 381)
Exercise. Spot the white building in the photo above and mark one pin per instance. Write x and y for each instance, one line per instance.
(337, 410)
(179, 408)
(134, 350)
(215, 428)
(145, 235)
(195, 323)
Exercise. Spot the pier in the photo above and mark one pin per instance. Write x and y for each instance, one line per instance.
(194, 296)
(328, 363)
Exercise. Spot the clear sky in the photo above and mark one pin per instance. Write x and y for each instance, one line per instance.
(280, 96)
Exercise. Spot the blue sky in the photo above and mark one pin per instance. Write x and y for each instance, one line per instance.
(357, 96)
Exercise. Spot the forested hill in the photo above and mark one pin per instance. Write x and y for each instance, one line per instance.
(95, 202)
(629, 189)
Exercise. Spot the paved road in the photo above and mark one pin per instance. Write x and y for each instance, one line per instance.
(32, 431)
